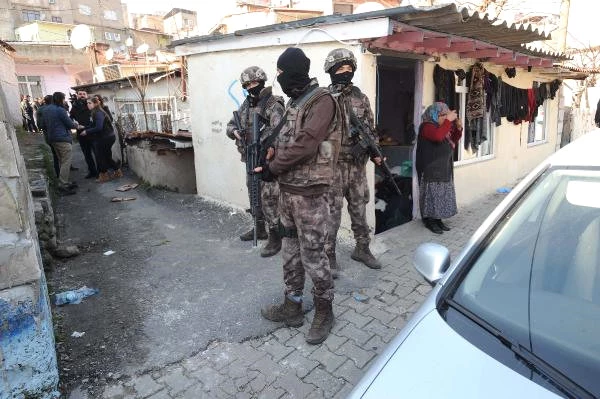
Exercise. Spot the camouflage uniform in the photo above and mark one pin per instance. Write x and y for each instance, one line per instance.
(351, 178)
(271, 108)
(307, 215)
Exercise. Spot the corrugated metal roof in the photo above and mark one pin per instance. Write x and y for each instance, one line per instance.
(449, 19)
(445, 19)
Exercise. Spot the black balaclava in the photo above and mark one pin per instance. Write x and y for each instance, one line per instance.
(255, 91)
(295, 65)
(344, 78)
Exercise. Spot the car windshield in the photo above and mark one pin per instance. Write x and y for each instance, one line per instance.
(538, 278)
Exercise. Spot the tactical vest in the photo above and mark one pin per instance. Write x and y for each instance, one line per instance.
(349, 98)
(266, 101)
(319, 170)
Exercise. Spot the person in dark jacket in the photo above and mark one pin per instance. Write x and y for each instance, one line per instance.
(104, 107)
(103, 136)
(303, 162)
(439, 133)
(58, 127)
(81, 113)
(27, 112)
(40, 118)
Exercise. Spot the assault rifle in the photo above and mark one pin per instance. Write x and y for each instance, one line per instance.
(366, 145)
(238, 124)
(254, 158)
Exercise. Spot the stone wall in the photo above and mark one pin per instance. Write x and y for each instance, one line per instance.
(10, 86)
(27, 354)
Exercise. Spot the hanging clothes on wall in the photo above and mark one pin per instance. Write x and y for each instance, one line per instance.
(445, 86)
(495, 103)
(475, 108)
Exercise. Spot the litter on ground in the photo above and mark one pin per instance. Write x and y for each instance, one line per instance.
(74, 296)
(127, 187)
(121, 199)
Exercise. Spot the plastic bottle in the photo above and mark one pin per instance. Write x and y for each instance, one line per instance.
(74, 296)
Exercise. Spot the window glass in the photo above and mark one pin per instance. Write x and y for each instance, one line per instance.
(538, 278)
(537, 129)
(30, 15)
(110, 15)
(85, 10)
(159, 112)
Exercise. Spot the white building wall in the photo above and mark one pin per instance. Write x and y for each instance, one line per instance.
(219, 173)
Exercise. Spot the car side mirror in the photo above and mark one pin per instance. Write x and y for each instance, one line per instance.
(431, 261)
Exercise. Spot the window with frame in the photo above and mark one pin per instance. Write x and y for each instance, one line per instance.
(108, 35)
(117, 37)
(160, 113)
(31, 15)
(51, 1)
(342, 9)
(85, 10)
(56, 19)
(110, 15)
(484, 149)
(536, 132)
(30, 86)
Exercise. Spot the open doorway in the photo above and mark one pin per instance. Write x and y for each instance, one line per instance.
(394, 111)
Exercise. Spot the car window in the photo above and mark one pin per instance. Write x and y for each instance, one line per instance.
(538, 278)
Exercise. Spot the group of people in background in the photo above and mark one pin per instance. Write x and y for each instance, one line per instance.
(93, 123)
(311, 165)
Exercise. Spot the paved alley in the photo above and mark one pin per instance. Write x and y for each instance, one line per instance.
(178, 312)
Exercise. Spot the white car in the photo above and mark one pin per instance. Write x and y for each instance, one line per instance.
(517, 314)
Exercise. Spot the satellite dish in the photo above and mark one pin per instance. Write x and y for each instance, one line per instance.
(367, 7)
(81, 37)
(142, 48)
(109, 54)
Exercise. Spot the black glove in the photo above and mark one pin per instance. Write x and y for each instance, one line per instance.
(266, 174)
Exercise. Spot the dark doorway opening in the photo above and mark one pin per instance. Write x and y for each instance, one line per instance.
(396, 129)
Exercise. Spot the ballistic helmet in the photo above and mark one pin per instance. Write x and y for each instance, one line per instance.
(252, 74)
(339, 56)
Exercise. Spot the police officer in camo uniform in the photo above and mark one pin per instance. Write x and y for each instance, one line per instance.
(303, 162)
(351, 177)
(260, 99)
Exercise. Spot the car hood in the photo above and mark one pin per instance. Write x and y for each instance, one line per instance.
(436, 362)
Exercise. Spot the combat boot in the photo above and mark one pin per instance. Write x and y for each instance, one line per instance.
(363, 254)
(289, 312)
(273, 246)
(261, 232)
(322, 322)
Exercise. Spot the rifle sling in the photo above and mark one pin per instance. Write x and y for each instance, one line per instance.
(303, 99)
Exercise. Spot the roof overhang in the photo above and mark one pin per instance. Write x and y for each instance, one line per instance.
(127, 81)
(249, 38)
(431, 31)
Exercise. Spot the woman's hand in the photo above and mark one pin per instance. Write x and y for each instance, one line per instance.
(458, 124)
(452, 116)
(84, 133)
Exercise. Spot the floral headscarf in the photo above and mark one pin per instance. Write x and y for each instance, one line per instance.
(432, 112)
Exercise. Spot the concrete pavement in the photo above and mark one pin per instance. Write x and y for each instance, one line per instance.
(281, 364)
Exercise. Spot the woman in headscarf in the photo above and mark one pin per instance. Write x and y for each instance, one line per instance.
(439, 133)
